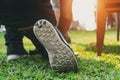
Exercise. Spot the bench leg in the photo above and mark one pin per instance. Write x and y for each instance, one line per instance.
(101, 21)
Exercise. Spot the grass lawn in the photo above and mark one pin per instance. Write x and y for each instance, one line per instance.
(91, 67)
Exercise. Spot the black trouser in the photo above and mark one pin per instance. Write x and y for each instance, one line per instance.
(14, 40)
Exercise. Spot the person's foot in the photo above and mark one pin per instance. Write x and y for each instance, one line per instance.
(15, 56)
(61, 56)
(38, 52)
(67, 37)
(16, 51)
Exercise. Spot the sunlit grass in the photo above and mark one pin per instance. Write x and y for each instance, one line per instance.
(91, 66)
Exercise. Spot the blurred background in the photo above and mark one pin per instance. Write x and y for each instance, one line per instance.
(84, 15)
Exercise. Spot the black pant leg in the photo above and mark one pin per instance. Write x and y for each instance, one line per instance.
(14, 41)
(29, 34)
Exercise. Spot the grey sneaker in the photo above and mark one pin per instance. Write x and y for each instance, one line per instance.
(61, 56)
(15, 56)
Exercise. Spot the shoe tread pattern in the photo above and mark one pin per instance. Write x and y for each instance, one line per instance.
(60, 56)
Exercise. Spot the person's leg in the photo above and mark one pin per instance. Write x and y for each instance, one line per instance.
(64, 30)
(39, 47)
(14, 43)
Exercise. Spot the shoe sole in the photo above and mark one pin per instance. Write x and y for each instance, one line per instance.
(15, 56)
(61, 57)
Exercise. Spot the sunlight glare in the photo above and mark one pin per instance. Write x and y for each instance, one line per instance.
(84, 12)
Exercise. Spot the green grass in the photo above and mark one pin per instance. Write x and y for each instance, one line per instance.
(91, 67)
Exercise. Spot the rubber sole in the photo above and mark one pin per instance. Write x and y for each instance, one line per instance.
(61, 57)
(15, 56)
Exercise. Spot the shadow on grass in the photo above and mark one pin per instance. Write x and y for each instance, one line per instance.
(107, 49)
